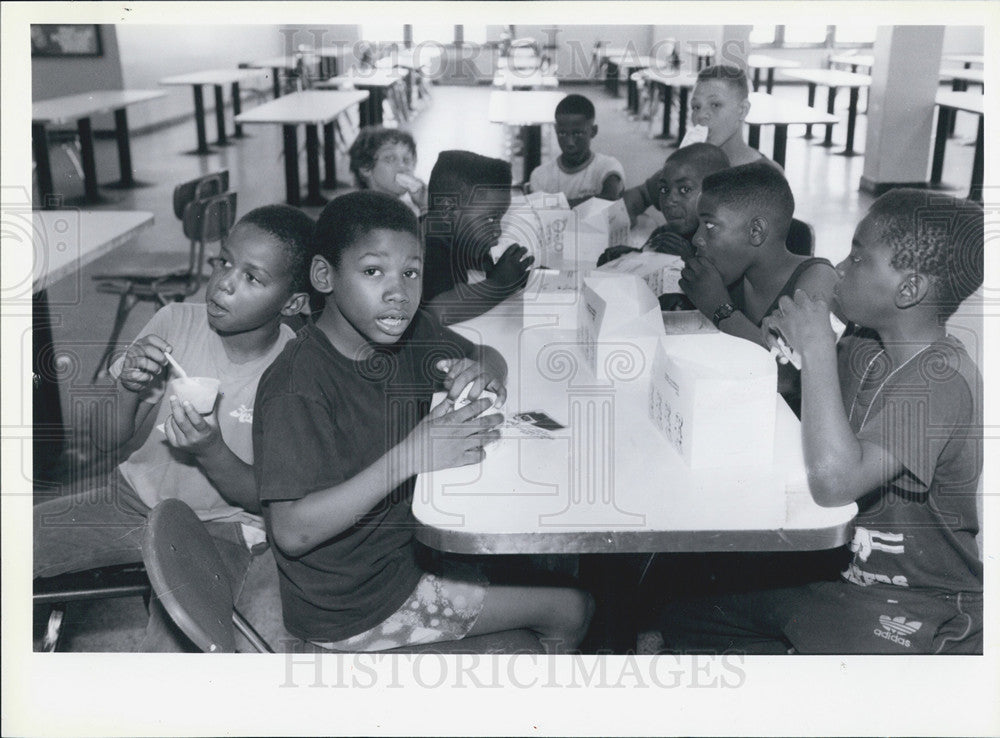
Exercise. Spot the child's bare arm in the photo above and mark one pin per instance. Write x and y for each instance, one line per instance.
(612, 188)
(188, 430)
(818, 281)
(703, 284)
(441, 440)
(464, 301)
(142, 364)
(841, 467)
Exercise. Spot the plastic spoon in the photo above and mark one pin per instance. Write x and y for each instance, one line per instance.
(177, 367)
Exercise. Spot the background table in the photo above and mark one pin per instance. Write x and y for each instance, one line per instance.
(279, 64)
(333, 58)
(756, 62)
(64, 242)
(512, 79)
(961, 77)
(702, 54)
(313, 108)
(767, 110)
(667, 80)
(217, 78)
(528, 109)
(949, 103)
(832, 79)
(609, 482)
(966, 59)
(632, 63)
(853, 61)
(80, 108)
(375, 81)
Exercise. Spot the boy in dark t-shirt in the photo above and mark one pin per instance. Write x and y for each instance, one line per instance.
(891, 420)
(344, 425)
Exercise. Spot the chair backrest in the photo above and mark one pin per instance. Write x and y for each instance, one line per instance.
(800, 239)
(524, 54)
(189, 577)
(199, 188)
(206, 221)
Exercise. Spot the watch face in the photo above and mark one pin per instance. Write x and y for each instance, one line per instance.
(722, 312)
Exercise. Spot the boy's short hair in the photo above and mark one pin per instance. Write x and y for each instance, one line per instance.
(294, 230)
(933, 234)
(703, 157)
(456, 174)
(576, 105)
(347, 219)
(734, 77)
(367, 144)
(753, 188)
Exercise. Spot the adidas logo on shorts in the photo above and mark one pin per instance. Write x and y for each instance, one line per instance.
(896, 629)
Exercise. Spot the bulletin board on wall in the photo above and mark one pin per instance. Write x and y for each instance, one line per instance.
(65, 39)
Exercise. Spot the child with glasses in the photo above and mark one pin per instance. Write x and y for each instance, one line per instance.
(382, 159)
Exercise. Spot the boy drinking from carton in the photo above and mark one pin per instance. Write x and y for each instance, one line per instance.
(744, 214)
(719, 106)
(578, 172)
(891, 419)
(344, 426)
(200, 455)
(469, 195)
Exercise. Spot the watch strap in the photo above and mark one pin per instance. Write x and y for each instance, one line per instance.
(722, 312)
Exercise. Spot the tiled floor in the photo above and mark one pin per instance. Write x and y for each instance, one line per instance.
(825, 187)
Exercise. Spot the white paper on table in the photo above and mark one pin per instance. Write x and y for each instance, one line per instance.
(619, 325)
(521, 424)
(539, 222)
(662, 272)
(713, 397)
(599, 224)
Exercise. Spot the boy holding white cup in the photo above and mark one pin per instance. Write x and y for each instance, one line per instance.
(203, 451)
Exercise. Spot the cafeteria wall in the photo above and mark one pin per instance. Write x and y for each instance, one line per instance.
(150, 53)
(67, 75)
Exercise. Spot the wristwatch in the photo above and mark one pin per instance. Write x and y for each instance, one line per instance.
(722, 312)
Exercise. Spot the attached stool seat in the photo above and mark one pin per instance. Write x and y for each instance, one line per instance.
(189, 577)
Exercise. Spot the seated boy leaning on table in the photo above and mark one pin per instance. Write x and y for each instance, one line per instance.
(469, 195)
(343, 426)
(260, 277)
(744, 214)
(578, 172)
(677, 189)
(892, 420)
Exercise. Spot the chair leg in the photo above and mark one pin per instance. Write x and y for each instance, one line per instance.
(244, 627)
(125, 305)
(53, 630)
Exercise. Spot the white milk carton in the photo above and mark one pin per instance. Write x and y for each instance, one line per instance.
(540, 222)
(713, 396)
(619, 326)
(662, 272)
(599, 224)
(551, 298)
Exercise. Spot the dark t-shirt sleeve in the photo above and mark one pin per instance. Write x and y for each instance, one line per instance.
(918, 419)
(439, 273)
(289, 450)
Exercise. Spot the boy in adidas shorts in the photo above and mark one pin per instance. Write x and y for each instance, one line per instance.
(891, 420)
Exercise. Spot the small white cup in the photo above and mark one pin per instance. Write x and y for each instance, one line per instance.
(199, 391)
